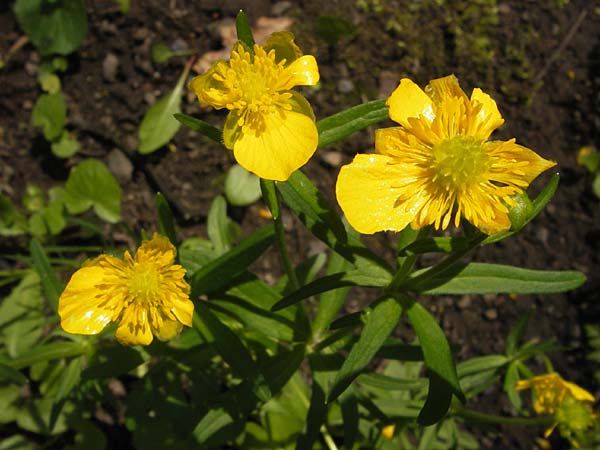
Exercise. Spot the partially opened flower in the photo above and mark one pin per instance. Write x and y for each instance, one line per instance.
(146, 295)
(551, 391)
(438, 164)
(270, 128)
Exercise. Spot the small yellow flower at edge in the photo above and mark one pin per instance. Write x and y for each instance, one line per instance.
(270, 128)
(550, 391)
(437, 164)
(147, 295)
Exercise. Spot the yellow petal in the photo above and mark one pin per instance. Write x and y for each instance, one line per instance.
(302, 72)
(443, 88)
(579, 393)
(523, 384)
(168, 330)
(488, 118)
(83, 307)
(158, 250)
(367, 192)
(286, 143)
(183, 309)
(134, 328)
(409, 100)
(210, 89)
(515, 164)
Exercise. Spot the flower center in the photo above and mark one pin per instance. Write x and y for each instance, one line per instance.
(459, 161)
(144, 282)
(255, 85)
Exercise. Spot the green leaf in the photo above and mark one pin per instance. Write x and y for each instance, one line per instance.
(48, 278)
(49, 113)
(516, 333)
(436, 244)
(538, 205)
(379, 323)
(244, 32)
(231, 349)
(66, 146)
(219, 272)
(387, 383)
(443, 380)
(68, 380)
(510, 382)
(341, 125)
(159, 126)
(166, 223)
(195, 252)
(161, 53)
(481, 364)
(217, 422)
(16, 442)
(57, 26)
(222, 231)
(242, 188)
(201, 127)
(331, 301)
(350, 418)
(483, 278)
(596, 186)
(11, 375)
(46, 352)
(90, 184)
(329, 283)
(315, 417)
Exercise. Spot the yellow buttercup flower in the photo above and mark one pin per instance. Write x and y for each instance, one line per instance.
(147, 295)
(550, 391)
(437, 164)
(270, 128)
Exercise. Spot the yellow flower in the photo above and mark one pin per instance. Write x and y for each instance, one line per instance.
(270, 128)
(147, 295)
(439, 162)
(550, 391)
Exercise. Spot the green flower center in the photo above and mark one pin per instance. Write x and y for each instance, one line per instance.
(144, 282)
(459, 161)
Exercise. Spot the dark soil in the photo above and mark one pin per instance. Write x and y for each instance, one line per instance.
(538, 59)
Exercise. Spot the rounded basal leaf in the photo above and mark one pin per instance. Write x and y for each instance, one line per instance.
(58, 26)
(90, 184)
(241, 187)
(161, 53)
(49, 113)
(66, 146)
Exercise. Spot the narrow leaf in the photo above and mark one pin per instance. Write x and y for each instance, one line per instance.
(201, 127)
(166, 224)
(50, 284)
(231, 349)
(436, 244)
(338, 126)
(244, 32)
(46, 352)
(443, 380)
(329, 283)
(350, 417)
(69, 379)
(12, 375)
(483, 278)
(315, 417)
(379, 324)
(159, 126)
(219, 272)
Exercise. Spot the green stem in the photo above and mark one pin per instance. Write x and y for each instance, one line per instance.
(283, 252)
(490, 418)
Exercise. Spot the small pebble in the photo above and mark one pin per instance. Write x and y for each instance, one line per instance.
(491, 314)
(110, 67)
(120, 166)
(345, 86)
